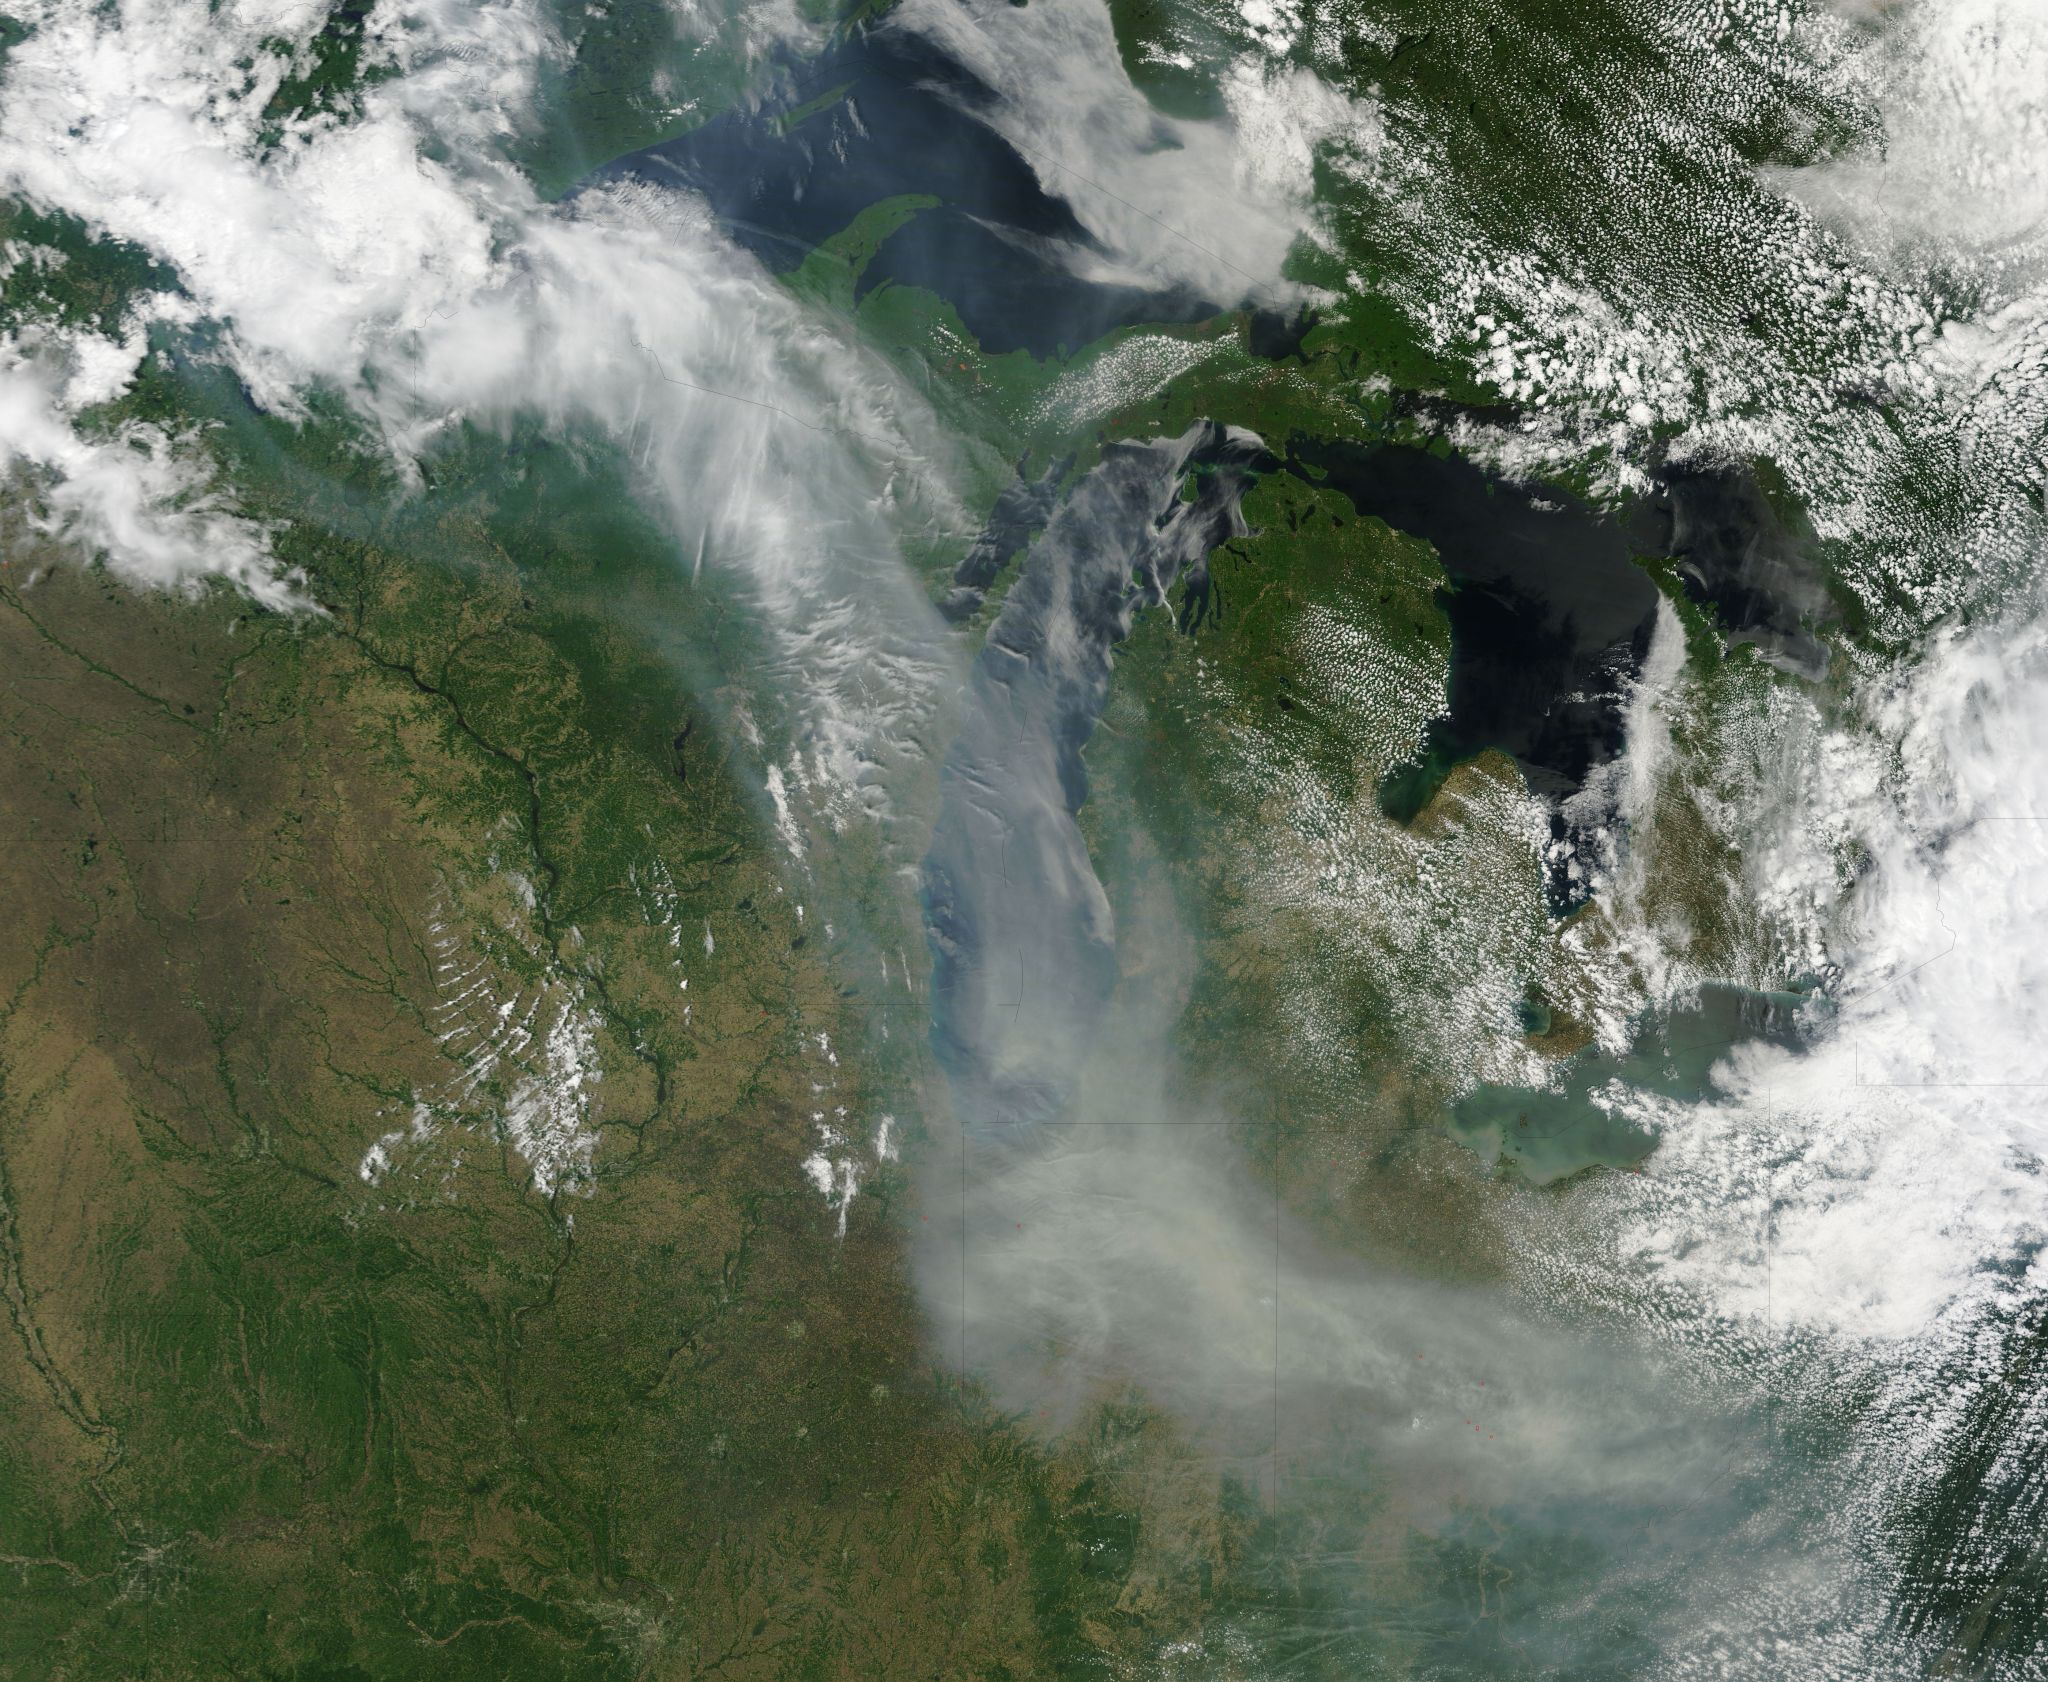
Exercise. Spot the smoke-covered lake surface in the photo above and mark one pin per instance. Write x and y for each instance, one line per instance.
(887, 114)
(1424, 1457)
(1167, 841)
(1023, 945)
(1550, 1133)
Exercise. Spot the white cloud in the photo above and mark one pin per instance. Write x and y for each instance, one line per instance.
(1962, 182)
(427, 285)
(395, 258)
(1284, 115)
(132, 494)
(1855, 1223)
(143, 123)
(1169, 200)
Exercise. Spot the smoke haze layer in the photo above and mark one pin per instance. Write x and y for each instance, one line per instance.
(1766, 1408)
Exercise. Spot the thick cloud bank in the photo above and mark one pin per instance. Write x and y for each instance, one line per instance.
(390, 256)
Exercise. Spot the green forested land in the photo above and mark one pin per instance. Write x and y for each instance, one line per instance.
(260, 1418)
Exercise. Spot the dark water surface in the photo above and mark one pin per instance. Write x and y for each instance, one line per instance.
(1550, 619)
(886, 113)
(1736, 558)
(1549, 612)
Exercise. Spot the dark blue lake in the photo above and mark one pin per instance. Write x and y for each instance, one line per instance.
(885, 113)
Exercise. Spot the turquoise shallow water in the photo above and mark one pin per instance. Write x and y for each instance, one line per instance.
(1549, 1135)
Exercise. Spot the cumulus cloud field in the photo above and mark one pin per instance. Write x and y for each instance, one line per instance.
(1879, 1193)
